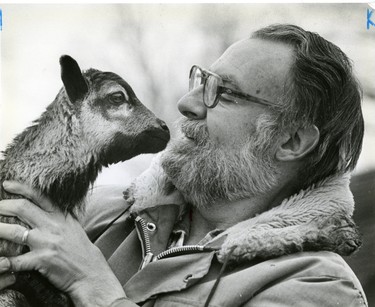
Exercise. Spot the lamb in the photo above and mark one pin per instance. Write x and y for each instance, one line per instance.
(95, 120)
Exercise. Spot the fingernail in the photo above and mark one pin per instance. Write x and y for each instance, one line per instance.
(4, 263)
(5, 184)
(12, 278)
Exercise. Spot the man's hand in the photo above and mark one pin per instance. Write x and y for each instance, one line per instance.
(59, 249)
(6, 278)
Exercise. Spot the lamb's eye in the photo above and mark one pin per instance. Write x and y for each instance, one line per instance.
(117, 98)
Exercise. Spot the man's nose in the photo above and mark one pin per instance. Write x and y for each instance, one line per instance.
(191, 104)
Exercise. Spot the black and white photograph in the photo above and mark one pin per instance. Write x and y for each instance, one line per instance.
(187, 154)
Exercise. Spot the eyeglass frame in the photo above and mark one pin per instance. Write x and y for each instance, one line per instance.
(222, 89)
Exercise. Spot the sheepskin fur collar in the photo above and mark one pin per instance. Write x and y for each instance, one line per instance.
(318, 218)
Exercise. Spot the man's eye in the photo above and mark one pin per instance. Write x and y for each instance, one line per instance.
(227, 98)
(117, 98)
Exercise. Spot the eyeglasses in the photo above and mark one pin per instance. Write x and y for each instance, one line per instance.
(213, 88)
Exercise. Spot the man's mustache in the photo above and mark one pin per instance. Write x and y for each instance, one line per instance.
(194, 130)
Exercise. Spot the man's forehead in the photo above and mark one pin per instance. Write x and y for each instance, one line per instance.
(253, 52)
(263, 63)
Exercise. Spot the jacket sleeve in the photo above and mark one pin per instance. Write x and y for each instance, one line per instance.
(317, 291)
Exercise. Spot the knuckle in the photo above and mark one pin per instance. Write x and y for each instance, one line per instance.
(24, 189)
(35, 196)
(44, 258)
(22, 205)
(53, 247)
(17, 232)
(55, 235)
(14, 233)
(16, 265)
(55, 229)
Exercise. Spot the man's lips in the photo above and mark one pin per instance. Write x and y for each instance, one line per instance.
(189, 137)
(192, 133)
(185, 134)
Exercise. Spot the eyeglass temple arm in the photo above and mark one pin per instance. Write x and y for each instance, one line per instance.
(245, 96)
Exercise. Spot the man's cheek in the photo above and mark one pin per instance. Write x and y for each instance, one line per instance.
(216, 134)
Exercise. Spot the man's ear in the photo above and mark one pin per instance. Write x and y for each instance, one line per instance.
(296, 144)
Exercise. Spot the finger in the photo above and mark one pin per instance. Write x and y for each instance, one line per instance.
(6, 280)
(28, 192)
(15, 233)
(4, 265)
(24, 262)
(24, 210)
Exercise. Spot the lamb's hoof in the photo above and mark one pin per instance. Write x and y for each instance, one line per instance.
(129, 194)
(341, 234)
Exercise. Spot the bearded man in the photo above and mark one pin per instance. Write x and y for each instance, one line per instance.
(249, 206)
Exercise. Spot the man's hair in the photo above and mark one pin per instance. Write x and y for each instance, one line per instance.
(321, 90)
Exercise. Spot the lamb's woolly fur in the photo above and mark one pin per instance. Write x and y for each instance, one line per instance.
(318, 218)
(152, 188)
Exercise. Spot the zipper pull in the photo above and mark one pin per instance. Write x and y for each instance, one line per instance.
(146, 260)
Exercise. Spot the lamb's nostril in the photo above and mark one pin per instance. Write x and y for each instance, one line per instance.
(163, 125)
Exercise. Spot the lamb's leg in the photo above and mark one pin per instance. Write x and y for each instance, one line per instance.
(153, 188)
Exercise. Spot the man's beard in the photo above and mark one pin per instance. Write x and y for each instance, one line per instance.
(206, 173)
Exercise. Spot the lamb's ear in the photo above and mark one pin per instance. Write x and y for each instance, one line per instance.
(74, 82)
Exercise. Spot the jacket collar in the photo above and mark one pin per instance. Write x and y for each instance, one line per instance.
(315, 219)
(318, 218)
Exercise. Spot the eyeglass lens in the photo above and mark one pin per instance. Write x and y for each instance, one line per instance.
(210, 82)
(196, 78)
(210, 90)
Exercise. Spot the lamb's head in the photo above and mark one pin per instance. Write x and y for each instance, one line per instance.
(115, 125)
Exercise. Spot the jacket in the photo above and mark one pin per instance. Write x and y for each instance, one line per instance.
(287, 256)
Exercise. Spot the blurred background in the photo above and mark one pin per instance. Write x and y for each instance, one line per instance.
(153, 46)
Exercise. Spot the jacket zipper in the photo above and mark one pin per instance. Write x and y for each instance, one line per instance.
(182, 250)
(148, 256)
(145, 239)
